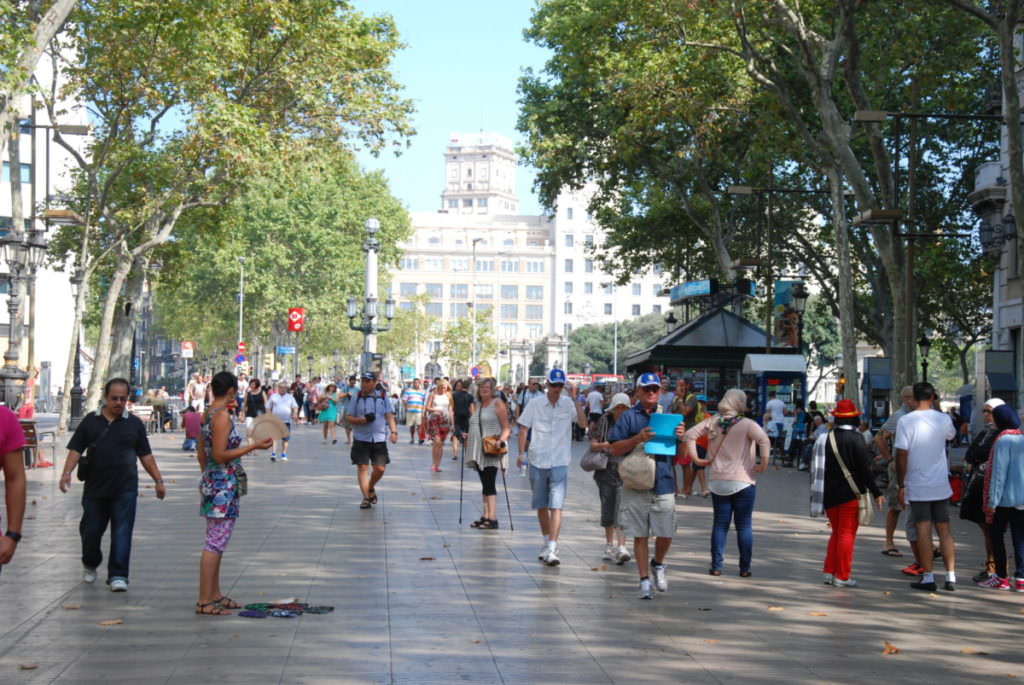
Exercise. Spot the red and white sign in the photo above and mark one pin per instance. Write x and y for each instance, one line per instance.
(296, 319)
(188, 349)
(241, 347)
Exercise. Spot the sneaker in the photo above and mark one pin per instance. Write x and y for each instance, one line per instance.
(118, 585)
(921, 585)
(849, 582)
(981, 577)
(609, 553)
(89, 574)
(996, 583)
(660, 581)
(543, 555)
(1018, 584)
(412, 442)
(915, 569)
(273, 457)
(623, 555)
(284, 457)
(950, 586)
(553, 559)
(646, 591)
(828, 578)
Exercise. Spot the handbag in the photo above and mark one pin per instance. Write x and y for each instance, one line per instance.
(494, 446)
(637, 470)
(865, 508)
(594, 461)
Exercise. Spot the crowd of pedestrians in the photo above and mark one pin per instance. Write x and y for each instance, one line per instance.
(640, 473)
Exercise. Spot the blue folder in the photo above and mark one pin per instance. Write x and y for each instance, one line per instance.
(664, 440)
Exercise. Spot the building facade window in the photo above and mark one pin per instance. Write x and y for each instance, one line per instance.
(407, 289)
(607, 308)
(568, 287)
(568, 266)
(434, 290)
(460, 263)
(509, 266)
(567, 329)
(509, 311)
(656, 309)
(636, 310)
(534, 330)
(636, 290)
(458, 291)
(588, 240)
(588, 266)
(410, 264)
(534, 267)
(510, 292)
(406, 306)
(535, 292)
(588, 288)
(568, 307)
(433, 309)
(484, 291)
(467, 202)
(508, 331)
(568, 240)
(433, 240)
(485, 265)
(568, 213)
(534, 312)
(609, 289)
(453, 204)
(656, 289)
(26, 173)
(459, 310)
(481, 202)
(433, 264)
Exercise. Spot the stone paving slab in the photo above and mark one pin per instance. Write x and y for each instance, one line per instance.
(420, 599)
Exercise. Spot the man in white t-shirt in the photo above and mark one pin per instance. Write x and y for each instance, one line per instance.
(282, 404)
(595, 406)
(922, 474)
(774, 416)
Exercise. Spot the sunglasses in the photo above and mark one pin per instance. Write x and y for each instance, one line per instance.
(651, 388)
(117, 399)
(986, 411)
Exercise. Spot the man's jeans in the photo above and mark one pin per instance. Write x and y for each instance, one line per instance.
(119, 512)
(738, 509)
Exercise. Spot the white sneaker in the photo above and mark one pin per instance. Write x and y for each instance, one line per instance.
(284, 457)
(89, 575)
(622, 556)
(828, 578)
(552, 559)
(646, 591)
(849, 582)
(660, 581)
(609, 553)
(119, 585)
(543, 555)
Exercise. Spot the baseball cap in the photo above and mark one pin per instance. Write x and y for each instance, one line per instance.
(556, 376)
(367, 376)
(648, 379)
(619, 398)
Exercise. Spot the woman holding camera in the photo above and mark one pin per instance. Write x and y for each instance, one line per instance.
(488, 419)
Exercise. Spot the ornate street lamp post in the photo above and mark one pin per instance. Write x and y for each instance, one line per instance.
(23, 257)
(369, 324)
(924, 345)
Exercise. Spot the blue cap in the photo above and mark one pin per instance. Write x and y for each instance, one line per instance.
(648, 379)
(556, 376)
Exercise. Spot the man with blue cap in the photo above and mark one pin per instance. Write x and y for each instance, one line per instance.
(550, 421)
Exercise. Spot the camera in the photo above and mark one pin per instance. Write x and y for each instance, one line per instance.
(370, 417)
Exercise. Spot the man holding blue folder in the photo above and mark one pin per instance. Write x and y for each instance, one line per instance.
(647, 513)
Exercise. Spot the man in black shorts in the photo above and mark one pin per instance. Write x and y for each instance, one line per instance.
(373, 423)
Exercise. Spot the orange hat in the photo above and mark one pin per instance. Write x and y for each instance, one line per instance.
(845, 409)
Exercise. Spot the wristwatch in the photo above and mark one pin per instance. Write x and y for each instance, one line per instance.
(13, 535)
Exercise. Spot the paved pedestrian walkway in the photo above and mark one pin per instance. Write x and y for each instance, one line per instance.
(420, 599)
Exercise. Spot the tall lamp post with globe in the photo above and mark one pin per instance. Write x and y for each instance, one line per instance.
(369, 324)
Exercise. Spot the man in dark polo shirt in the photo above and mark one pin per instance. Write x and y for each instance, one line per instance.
(113, 442)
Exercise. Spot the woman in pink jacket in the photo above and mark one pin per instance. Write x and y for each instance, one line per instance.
(731, 454)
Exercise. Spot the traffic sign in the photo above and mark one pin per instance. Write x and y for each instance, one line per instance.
(296, 319)
(240, 359)
(475, 371)
(241, 347)
(285, 349)
(188, 349)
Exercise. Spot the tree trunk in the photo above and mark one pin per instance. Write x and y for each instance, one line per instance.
(126, 318)
(844, 286)
(104, 341)
(69, 372)
(961, 353)
(1006, 29)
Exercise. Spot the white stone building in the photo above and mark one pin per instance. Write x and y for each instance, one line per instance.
(533, 274)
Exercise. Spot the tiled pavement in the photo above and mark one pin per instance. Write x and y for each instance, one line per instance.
(420, 599)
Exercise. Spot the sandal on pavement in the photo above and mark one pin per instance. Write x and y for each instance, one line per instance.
(372, 497)
(478, 523)
(211, 609)
(228, 603)
(892, 552)
(488, 524)
(365, 504)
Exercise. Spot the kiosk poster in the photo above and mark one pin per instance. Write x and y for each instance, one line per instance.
(786, 319)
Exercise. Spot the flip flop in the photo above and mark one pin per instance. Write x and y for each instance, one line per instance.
(253, 613)
(258, 606)
(319, 610)
(892, 552)
(281, 613)
(228, 603)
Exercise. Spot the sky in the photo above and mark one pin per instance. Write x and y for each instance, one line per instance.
(461, 66)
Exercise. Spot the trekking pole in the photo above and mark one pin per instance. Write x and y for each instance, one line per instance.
(507, 502)
(462, 477)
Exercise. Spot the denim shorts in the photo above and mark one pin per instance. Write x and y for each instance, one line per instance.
(548, 486)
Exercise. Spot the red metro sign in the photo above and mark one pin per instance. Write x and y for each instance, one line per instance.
(296, 319)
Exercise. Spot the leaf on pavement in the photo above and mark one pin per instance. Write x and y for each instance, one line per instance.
(968, 650)
(817, 613)
(711, 642)
(72, 607)
(703, 608)
(427, 559)
(111, 622)
(29, 667)
(890, 648)
(776, 608)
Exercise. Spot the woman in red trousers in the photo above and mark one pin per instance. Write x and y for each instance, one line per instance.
(840, 499)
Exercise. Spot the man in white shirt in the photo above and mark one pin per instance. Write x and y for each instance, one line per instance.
(283, 406)
(549, 419)
(595, 406)
(922, 474)
(774, 416)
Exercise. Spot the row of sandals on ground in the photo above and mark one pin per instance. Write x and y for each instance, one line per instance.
(637, 490)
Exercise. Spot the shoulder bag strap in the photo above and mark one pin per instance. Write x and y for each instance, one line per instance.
(842, 464)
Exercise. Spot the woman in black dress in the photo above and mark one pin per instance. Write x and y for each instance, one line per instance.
(254, 403)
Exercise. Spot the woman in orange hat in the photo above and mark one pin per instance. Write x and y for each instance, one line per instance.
(834, 473)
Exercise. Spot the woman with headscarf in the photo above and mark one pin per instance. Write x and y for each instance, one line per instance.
(839, 499)
(734, 461)
(975, 459)
(1004, 498)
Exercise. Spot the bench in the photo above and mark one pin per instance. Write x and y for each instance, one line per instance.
(145, 414)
